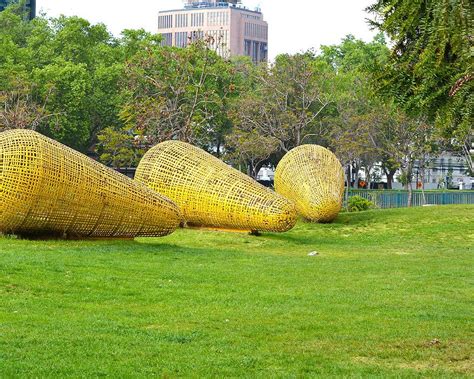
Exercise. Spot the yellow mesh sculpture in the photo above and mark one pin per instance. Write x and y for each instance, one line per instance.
(212, 194)
(48, 188)
(313, 178)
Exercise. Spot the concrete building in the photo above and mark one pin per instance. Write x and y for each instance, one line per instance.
(445, 171)
(227, 26)
(31, 5)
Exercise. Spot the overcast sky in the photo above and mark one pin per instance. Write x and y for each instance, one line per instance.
(293, 25)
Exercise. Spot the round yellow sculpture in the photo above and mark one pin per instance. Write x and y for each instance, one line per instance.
(313, 178)
(212, 194)
(48, 188)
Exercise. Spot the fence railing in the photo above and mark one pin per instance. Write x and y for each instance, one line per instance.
(399, 199)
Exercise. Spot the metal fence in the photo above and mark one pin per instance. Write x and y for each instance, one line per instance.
(399, 199)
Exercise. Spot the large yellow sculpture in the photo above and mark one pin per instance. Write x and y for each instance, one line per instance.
(48, 188)
(313, 178)
(212, 194)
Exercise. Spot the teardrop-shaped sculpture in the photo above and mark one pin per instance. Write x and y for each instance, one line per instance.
(212, 194)
(313, 178)
(47, 188)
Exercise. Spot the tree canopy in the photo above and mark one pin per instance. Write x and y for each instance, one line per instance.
(116, 96)
(430, 72)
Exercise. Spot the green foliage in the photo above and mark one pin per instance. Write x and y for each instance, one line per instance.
(405, 178)
(431, 69)
(176, 93)
(66, 86)
(118, 148)
(355, 56)
(389, 295)
(358, 204)
(70, 80)
(281, 107)
(70, 70)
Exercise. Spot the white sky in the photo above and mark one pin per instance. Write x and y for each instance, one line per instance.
(293, 25)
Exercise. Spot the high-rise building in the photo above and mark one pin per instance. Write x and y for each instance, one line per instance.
(229, 28)
(30, 4)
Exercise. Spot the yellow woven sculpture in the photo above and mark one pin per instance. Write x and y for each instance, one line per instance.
(313, 178)
(211, 193)
(48, 188)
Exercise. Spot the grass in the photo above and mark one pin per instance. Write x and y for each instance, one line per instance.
(389, 295)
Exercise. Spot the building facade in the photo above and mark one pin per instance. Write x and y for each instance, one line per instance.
(30, 4)
(445, 171)
(226, 26)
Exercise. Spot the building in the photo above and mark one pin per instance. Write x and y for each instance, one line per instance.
(228, 27)
(30, 4)
(445, 171)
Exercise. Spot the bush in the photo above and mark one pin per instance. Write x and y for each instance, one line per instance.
(358, 203)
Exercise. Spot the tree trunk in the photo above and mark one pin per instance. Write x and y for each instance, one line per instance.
(367, 174)
(253, 169)
(250, 169)
(348, 184)
(356, 176)
(410, 193)
(409, 176)
(422, 175)
(390, 176)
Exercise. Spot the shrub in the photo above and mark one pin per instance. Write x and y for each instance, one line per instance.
(358, 203)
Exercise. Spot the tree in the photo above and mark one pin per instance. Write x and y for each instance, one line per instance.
(430, 71)
(60, 76)
(118, 148)
(282, 106)
(356, 111)
(19, 111)
(178, 93)
(407, 140)
(250, 148)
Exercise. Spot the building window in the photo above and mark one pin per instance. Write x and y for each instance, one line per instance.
(181, 20)
(247, 47)
(255, 51)
(251, 16)
(167, 39)
(217, 19)
(181, 39)
(263, 52)
(196, 35)
(197, 19)
(218, 41)
(165, 22)
(256, 31)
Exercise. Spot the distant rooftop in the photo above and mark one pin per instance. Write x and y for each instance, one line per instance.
(209, 3)
(200, 4)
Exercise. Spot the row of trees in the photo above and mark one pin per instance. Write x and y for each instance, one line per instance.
(78, 84)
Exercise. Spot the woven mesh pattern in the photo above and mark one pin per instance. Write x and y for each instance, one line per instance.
(48, 188)
(212, 194)
(313, 178)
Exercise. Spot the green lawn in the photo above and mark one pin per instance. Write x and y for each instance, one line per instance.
(390, 294)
